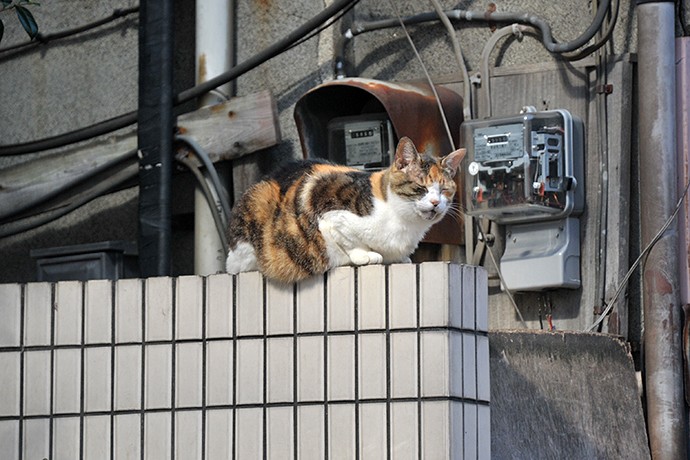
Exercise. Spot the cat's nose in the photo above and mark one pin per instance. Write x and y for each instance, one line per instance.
(434, 202)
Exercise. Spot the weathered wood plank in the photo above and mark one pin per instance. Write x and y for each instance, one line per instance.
(226, 131)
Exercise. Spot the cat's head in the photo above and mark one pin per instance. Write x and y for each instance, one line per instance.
(423, 181)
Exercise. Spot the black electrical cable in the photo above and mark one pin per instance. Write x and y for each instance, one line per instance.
(42, 39)
(521, 18)
(125, 120)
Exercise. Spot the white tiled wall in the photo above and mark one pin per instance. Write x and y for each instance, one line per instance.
(369, 362)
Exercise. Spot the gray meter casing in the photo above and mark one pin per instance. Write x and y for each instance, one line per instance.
(527, 171)
(524, 168)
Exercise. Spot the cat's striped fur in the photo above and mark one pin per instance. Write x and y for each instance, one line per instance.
(312, 216)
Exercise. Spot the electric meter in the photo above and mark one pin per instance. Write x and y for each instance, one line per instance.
(362, 141)
(524, 168)
(526, 171)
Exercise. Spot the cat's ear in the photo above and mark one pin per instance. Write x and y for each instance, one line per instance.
(406, 153)
(451, 162)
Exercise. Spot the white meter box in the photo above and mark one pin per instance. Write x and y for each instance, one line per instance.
(524, 168)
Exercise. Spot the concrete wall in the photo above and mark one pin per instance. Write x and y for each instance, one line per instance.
(82, 80)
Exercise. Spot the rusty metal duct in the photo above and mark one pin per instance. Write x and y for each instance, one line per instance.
(411, 107)
(412, 110)
(658, 176)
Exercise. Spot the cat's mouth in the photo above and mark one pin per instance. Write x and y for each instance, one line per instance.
(429, 215)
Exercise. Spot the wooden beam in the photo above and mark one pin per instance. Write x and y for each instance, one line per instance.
(225, 131)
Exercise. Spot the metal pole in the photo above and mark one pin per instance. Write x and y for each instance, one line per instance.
(214, 56)
(658, 195)
(155, 136)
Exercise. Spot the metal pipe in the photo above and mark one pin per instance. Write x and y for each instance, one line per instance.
(658, 195)
(214, 55)
(155, 137)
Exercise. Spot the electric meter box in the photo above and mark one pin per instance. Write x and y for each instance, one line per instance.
(363, 141)
(524, 168)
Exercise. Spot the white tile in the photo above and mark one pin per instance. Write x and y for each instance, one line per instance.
(38, 314)
(157, 436)
(469, 366)
(98, 311)
(469, 300)
(372, 431)
(311, 437)
(435, 365)
(457, 364)
(250, 371)
(37, 383)
(189, 307)
(9, 439)
(250, 300)
(403, 364)
(341, 299)
(372, 366)
(97, 436)
(484, 432)
(435, 429)
(66, 387)
(36, 439)
(280, 433)
(372, 297)
(457, 431)
(310, 300)
(482, 299)
(310, 385)
(280, 365)
(455, 295)
(9, 382)
(128, 311)
(433, 294)
(128, 377)
(68, 312)
(219, 434)
(10, 312)
(219, 303)
(219, 389)
(127, 437)
(249, 434)
(470, 430)
(97, 379)
(483, 371)
(280, 308)
(159, 308)
(66, 437)
(404, 431)
(158, 383)
(402, 295)
(341, 367)
(188, 374)
(341, 431)
(188, 435)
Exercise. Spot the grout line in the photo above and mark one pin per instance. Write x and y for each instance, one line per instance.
(173, 363)
(82, 371)
(325, 365)
(234, 367)
(419, 361)
(22, 381)
(142, 383)
(53, 319)
(387, 274)
(356, 363)
(204, 364)
(113, 304)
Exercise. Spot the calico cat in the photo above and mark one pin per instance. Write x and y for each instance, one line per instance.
(312, 215)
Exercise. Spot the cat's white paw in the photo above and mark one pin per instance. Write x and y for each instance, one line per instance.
(364, 257)
(406, 260)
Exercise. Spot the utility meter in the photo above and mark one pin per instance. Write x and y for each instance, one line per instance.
(524, 168)
(361, 141)
(526, 171)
